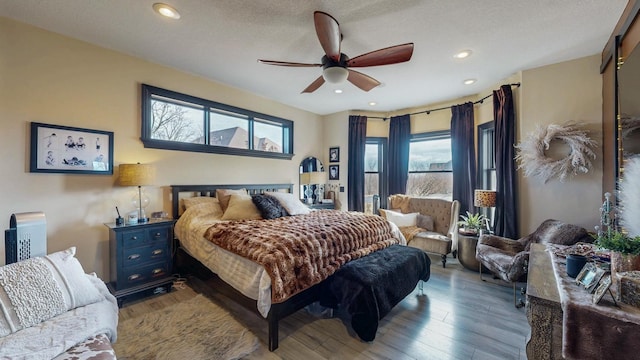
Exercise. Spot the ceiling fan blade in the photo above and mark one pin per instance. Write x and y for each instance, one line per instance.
(286, 63)
(314, 85)
(364, 82)
(391, 55)
(328, 31)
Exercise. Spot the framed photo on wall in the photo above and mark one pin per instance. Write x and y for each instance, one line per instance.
(65, 149)
(334, 154)
(334, 172)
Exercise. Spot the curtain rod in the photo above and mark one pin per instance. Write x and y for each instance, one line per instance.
(442, 108)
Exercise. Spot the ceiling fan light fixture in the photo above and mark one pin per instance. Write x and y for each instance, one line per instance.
(335, 74)
(166, 11)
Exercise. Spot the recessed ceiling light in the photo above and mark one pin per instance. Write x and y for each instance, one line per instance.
(462, 54)
(337, 91)
(166, 10)
(469, 81)
(372, 103)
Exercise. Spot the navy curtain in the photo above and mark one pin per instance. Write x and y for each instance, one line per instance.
(463, 155)
(399, 138)
(506, 219)
(357, 143)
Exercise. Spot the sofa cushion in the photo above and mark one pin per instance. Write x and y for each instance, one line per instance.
(431, 242)
(37, 289)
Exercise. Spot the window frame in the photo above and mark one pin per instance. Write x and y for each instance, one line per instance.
(429, 136)
(383, 189)
(484, 178)
(149, 91)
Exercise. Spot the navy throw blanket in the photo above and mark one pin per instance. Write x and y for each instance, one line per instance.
(369, 287)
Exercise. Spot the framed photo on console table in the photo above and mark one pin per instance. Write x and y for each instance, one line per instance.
(64, 149)
(590, 276)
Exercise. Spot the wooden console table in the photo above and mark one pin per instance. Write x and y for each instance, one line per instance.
(543, 309)
(556, 306)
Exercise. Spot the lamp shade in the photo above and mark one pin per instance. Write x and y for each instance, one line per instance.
(136, 174)
(484, 198)
(335, 74)
(312, 178)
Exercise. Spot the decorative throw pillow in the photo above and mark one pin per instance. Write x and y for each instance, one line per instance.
(290, 202)
(425, 222)
(402, 219)
(241, 207)
(196, 200)
(269, 207)
(37, 289)
(223, 196)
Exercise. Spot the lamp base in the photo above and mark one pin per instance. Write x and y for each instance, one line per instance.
(143, 220)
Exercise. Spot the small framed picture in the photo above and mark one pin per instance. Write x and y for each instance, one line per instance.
(590, 276)
(602, 288)
(334, 154)
(334, 172)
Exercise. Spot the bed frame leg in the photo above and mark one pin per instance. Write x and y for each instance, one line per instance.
(273, 333)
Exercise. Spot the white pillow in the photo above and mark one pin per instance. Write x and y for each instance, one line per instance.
(401, 219)
(37, 289)
(241, 207)
(290, 202)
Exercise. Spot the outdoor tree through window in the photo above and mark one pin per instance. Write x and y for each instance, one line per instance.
(430, 165)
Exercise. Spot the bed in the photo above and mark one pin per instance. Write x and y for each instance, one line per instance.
(247, 281)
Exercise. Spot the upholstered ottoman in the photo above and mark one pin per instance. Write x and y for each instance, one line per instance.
(369, 287)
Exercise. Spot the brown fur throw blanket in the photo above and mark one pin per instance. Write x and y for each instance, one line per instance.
(300, 251)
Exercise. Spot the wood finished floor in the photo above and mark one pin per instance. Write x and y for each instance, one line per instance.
(457, 317)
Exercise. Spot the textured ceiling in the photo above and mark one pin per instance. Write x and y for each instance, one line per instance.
(221, 40)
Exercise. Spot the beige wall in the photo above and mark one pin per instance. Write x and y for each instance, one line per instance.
(555, 94)
(56, 80)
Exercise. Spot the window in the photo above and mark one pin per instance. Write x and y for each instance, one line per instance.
(375, 182)
(175, 121)
(487, 162)
(486, 156)
(430, 169)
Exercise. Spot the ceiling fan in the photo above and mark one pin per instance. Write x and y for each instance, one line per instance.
(336, 65)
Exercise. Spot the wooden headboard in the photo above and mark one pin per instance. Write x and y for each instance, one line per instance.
(210, 190)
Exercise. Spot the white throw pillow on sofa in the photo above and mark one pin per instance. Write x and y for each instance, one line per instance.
(37, 289)
(401, 219)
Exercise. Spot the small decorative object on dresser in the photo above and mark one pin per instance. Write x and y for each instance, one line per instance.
(140, 257)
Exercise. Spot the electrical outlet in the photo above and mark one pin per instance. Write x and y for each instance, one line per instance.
(341, 188)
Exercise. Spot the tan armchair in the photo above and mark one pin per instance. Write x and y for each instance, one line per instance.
(441, 237)
(508, 259)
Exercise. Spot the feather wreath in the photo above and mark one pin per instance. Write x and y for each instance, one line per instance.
(533, 160)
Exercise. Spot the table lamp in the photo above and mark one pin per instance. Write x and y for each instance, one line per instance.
(137, 175)
(485, 199)
(311, 178)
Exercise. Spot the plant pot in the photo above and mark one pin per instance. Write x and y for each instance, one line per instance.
(619, 263)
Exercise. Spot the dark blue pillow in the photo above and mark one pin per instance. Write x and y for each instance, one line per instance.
(269, 207)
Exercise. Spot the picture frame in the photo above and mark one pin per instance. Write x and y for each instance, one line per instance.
(70, 150)
(602, 288)
(590, 276)
(334, 154)
(334, 172)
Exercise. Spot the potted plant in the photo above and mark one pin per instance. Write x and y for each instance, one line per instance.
(625, 253)
(471, 223)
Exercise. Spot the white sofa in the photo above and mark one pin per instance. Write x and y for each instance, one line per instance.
(49, 308)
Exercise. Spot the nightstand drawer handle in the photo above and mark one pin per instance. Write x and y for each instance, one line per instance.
(134, 256)
(157, 252)
(134, 238)
(157, 234)
(157, 271)
(134, 277)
